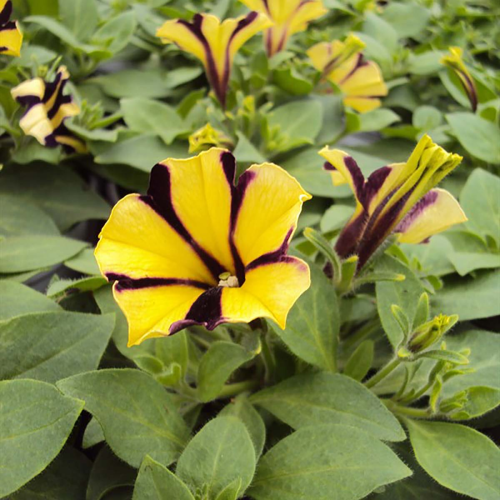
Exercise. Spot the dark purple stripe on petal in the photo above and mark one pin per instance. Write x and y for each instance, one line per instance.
(159, 198)
(428, 200)
(358, 178)
(60, 100)
(373, 185)
(229, 166)
(52, 87)
(350, 236)
(329, 167)
(127, 283)
(359, 64)
(273, 257)
(28, 100)
(6, 13)
(9, 26)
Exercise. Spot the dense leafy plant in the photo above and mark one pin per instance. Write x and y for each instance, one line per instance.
(358, 360)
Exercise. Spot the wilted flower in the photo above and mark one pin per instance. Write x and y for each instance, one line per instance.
(206, 137)
(198, 250)
(454, 62)
(213, 42)
(47, 108)
(397, 198)
(11, 37)
(343, 64)
(289, 17)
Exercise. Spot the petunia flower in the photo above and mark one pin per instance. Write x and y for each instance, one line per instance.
(289, 16)
(11, 37)
(47, 108)
(196, 250)
(398, 198)
(213, 42)
(343, 64)
(454, 62)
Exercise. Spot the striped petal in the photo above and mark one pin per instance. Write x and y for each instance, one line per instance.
(11, 37)
(269, 205)
(213, 42)
(437, 211)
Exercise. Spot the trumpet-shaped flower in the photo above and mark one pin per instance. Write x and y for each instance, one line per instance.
(289, 17)
(11, 37)
(397, 198)
(47, 108)
(343, 64)
(198, 250)
(213, 42)
(454, 62)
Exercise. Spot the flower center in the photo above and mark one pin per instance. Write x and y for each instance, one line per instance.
(229, 281)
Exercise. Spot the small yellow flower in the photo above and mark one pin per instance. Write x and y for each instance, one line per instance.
(214, 42)
(289, 17)
(454, 62)
(198, 250)
(343, 64)
(47, 108)
(397, 198)
(206, 137)
(11, 37)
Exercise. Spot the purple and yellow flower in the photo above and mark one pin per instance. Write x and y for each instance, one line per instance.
(47, 108)
(196, 250)
(455, 63)
(398, 198)
(11, 37)
(343, 64)
(214, 43)
(289, 17)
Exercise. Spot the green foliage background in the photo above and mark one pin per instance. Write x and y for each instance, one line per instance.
(275, 415)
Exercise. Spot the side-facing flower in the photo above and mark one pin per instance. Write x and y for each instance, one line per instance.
(455, 63)
(11, 37)
(47, 108)
(214, 42)
(396, 198)
(198, 250)
(289, 17)
(343, 64)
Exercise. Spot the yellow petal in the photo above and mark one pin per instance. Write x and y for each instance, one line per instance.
(271, 204)
(305, 13)
(152, 311)
(11, 40)
(34, 87)
(270, 291)
(362, 104)
(201, 197)
(365, 80)
(435, 213)
(138, 243)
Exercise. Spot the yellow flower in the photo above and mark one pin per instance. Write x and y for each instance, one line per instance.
(397, 198)
(343, 64)
(454, 62)
(198, 250)
(47, 108)
(11, 37)
(214, 43)
(289, 16)
(206, 137)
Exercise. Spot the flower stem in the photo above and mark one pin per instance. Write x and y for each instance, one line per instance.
(422, 413)
(382, 373)
(231, 390)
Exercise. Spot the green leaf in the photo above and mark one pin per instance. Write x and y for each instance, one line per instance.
(377, 120)
(382, 31)
(457, 457)
(336, 217)
(245, 151)
(17, 299)
(27, 253)
(427, 63)
(79, 16)
(319, 398)
(478, 136)
(93, 434)
(86, 284)
(404, 294)
(35, 421)
(481, 203)
(480, 400)
(108, 472)
(56, 190)
(53, 345)
(333, 462)
(216, 366)
(137, 415)
(359, 363)
(149, 116)
(291, 81)
(84, 262)
(408, 19)
(116, 34)
(142, 152)
(20, 217)
(470, 298)
(156, 482)
(427, 118)
(434, 256)
(65, 479)
(59, 30)
(313, 324)
(219, 454)
(241, 408)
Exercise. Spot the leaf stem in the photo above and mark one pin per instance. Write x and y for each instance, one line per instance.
(422, 413)
(231, 390)
(382, 373)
